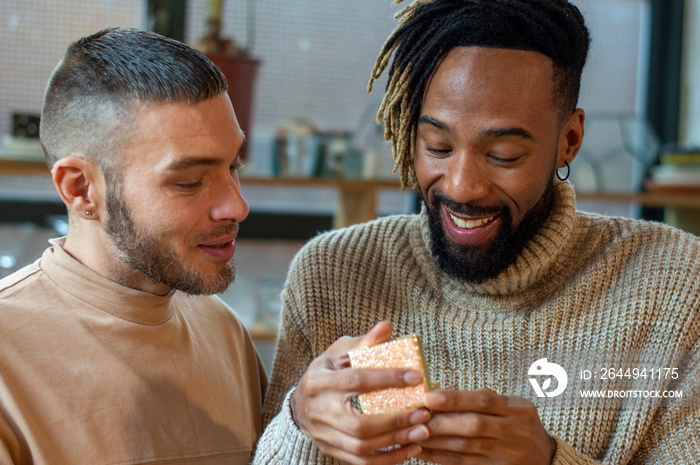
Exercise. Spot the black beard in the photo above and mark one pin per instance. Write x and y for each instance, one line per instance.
(474, 263)
(146, 254)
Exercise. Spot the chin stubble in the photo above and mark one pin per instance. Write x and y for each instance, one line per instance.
(478, 263)
(146, 254)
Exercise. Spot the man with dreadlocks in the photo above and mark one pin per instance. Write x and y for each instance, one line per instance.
(481, 110)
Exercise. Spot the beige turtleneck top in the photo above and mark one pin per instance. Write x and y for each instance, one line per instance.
(92, 372)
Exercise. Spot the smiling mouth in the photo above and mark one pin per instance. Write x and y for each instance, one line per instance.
(220, 251)
(470, 224)
(219, 246)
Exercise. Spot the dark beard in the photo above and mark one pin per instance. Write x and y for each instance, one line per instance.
(474, 263)
(146, 254)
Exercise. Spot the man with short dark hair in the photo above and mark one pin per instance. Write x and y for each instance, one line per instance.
(113, 350)
(481, 110)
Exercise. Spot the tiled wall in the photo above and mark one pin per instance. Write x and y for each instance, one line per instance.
(34, 35)
(316, 55)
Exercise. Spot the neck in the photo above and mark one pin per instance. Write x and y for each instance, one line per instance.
(88, 243)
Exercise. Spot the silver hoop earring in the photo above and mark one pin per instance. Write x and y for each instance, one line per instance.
(568, 172)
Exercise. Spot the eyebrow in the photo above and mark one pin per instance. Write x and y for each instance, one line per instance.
(191, 161)
(508, 131)
(425, 119)
(486, 133)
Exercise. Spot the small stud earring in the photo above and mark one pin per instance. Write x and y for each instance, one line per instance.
(88, 214)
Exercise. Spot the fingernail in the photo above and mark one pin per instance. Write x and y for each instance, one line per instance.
(419, 416)
(413, 451)
(419, 433)
(413, 377)
(434, 399)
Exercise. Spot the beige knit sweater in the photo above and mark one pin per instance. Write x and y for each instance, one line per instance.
(585, 283)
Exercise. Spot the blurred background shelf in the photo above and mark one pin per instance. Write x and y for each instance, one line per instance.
(357, 202)
(16, 166)
(357, 198)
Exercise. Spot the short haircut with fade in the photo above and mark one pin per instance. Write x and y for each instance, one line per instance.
(92, 93)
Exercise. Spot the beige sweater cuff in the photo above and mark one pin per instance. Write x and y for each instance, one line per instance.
(283, 441)
(567, 455)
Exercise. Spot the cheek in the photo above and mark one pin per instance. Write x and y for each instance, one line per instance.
(176, 221)
(150, 214)
(428, 171)
(157, 212)
(525, 188)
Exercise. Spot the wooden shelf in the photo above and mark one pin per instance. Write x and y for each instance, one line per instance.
(322, 182)
(23, 168)
(358, 198)
(262, 333)
(34, 167)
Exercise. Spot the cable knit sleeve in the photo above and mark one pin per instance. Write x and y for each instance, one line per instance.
(673, 435)
(567, 455)
(673, 438)
(293, 355)
(284, 443)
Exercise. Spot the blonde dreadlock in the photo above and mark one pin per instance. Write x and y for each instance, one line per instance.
(393, 111)
(428, 29)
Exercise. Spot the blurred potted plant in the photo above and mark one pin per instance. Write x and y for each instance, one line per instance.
(234, 60)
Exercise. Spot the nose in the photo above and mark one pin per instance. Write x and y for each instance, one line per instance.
(228, 202)
(465, 180)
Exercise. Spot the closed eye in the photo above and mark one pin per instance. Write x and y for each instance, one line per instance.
(189, 185)
(438, 152)
(503, 160)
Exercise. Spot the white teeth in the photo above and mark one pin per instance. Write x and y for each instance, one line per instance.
(470, 224)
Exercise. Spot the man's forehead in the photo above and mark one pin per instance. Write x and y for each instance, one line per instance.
(492, 92)
(480, 70)
(486, 59)
(175, 136)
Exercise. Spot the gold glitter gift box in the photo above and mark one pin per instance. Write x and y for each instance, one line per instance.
(404, 352)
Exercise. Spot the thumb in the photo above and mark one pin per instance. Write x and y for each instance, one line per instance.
(380, 333)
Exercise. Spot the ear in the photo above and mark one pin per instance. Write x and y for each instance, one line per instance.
(79, 183)
(570, 138)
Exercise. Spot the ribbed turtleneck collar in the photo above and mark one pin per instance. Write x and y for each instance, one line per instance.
(536, 260)
(99, 292)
